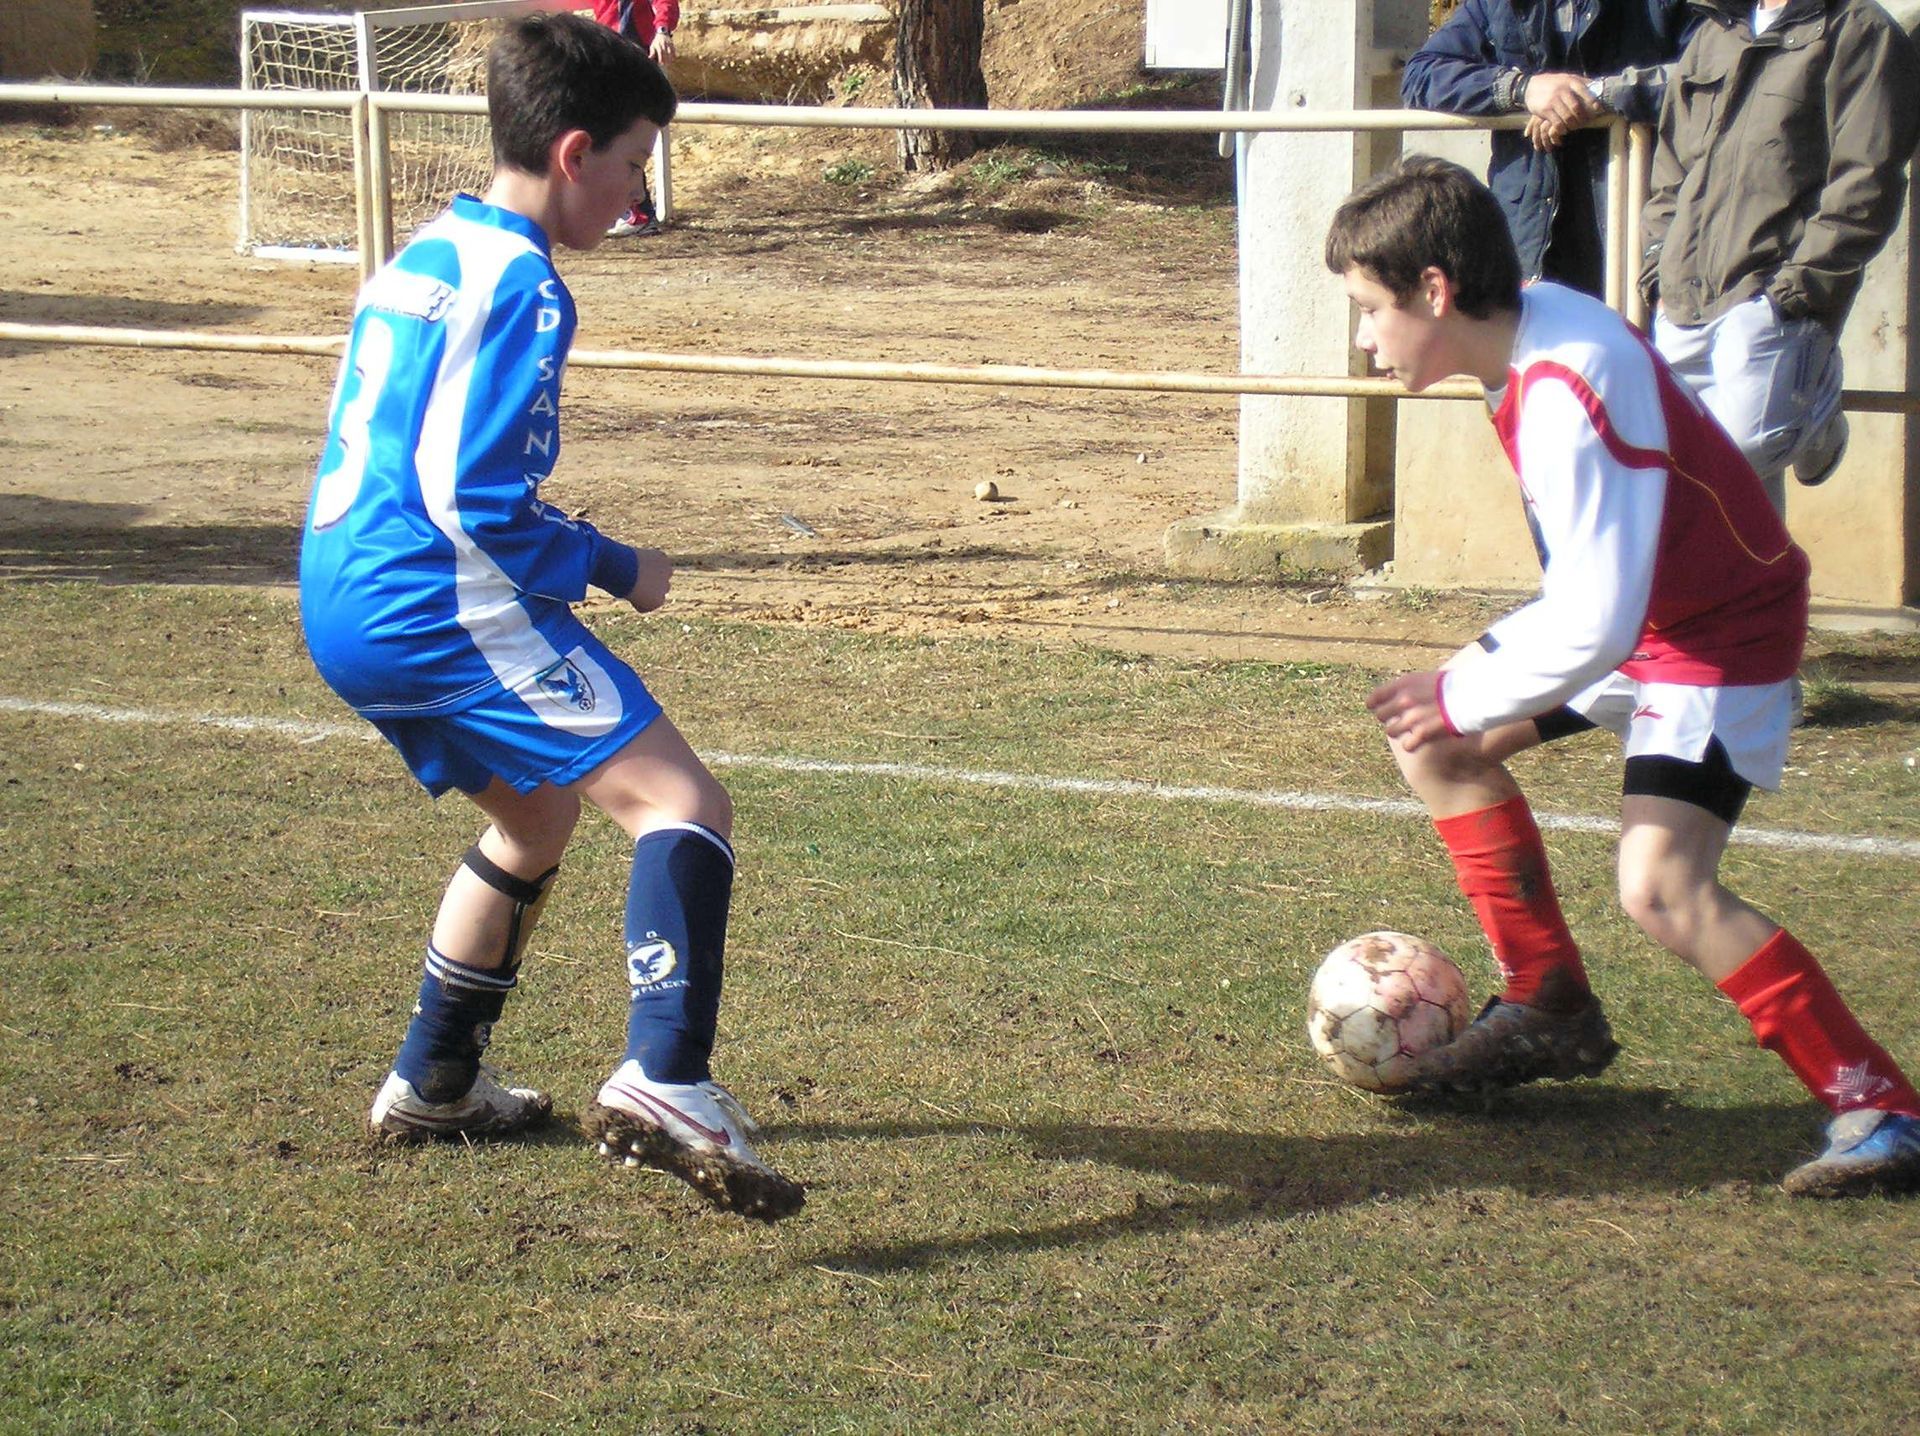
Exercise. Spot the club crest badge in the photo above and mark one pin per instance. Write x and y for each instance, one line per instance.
(651, 963)
(566, 684)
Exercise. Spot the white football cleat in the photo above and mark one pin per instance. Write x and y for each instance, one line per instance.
(697, 1131)
(488, 1110)
(1867, 1151)
(635, 224)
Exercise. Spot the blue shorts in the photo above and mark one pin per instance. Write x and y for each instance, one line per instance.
(554, 727)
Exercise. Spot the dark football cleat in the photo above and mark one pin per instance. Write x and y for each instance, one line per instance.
(1511, 1042)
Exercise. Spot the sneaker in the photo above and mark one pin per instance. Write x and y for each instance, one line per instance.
(697, 1131)
(1867, 1151)
(636, 225)
(1511, 1042)
(488, 1110)
(1822, 452)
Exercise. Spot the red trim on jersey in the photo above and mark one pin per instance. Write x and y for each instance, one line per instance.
(1729, 600)
(1440, 702)
(1627, 454)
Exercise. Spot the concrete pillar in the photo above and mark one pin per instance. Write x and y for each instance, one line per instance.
(1862, 527)
(1315, 475)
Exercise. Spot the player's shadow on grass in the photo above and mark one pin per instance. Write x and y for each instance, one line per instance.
(1849, 708)
(1562, 1144)
(775, 233)
(110, 312)
(807, 560)
(58, 540)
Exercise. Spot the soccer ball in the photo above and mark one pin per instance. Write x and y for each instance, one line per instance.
(1380, 1000)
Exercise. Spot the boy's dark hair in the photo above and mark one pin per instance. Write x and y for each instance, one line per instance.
(1428, 213)
(550, 73)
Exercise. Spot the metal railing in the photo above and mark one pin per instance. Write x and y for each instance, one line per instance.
(1627, 171)
(1629, 155)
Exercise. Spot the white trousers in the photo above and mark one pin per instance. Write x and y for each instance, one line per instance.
(1772, 383)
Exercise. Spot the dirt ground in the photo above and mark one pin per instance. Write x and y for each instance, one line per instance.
(843, 504)
(851, 505)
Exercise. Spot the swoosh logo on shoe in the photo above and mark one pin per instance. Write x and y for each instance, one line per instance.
(720, 1138)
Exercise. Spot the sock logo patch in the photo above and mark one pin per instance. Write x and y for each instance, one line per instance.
(1856, 1084)
(651, 963)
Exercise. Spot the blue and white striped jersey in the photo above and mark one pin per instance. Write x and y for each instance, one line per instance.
(431, 573)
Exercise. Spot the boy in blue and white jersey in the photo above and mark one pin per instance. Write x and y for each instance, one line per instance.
(436, 589)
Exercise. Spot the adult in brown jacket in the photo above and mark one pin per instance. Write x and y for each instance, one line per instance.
(1779, 171)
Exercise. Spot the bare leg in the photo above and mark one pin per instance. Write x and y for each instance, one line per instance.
(527, 839)
(1669, 868)
(655, 780)
(1465, 774)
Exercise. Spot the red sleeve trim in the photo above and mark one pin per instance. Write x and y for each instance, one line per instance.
(1629, 455)
(1440, 701)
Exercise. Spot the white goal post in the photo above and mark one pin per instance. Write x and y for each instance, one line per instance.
(297, 166)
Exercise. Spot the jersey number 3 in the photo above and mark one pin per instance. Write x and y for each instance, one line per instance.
(337, 486)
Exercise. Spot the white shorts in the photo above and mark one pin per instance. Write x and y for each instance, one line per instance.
(1678, 720)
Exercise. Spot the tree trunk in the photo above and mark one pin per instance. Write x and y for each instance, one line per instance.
(936, 65)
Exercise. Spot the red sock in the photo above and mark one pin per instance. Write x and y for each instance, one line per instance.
(1796, 1012)
(1501, 865)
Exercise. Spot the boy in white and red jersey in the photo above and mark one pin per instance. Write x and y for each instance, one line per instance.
(1672, 611)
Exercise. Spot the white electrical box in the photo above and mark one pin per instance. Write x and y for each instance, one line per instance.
(1186, 34)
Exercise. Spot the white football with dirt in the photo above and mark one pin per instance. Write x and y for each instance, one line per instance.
(1378, 1001)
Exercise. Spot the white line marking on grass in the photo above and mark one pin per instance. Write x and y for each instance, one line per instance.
(1292, 801)
(100, 713)
(1300, 802)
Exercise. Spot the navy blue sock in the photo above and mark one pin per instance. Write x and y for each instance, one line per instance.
(676, 936)
(452, 1024)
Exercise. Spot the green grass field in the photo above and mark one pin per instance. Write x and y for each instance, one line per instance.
(1038, 1053)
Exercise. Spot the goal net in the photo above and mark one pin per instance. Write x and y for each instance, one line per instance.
(296, 166)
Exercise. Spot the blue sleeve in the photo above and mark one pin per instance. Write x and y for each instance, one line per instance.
(509, 442)
(616, 568)
(1455, 70)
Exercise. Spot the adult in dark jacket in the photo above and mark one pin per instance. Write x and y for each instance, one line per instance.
(1567, 64)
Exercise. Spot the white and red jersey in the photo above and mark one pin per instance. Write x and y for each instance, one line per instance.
(1662, 556)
